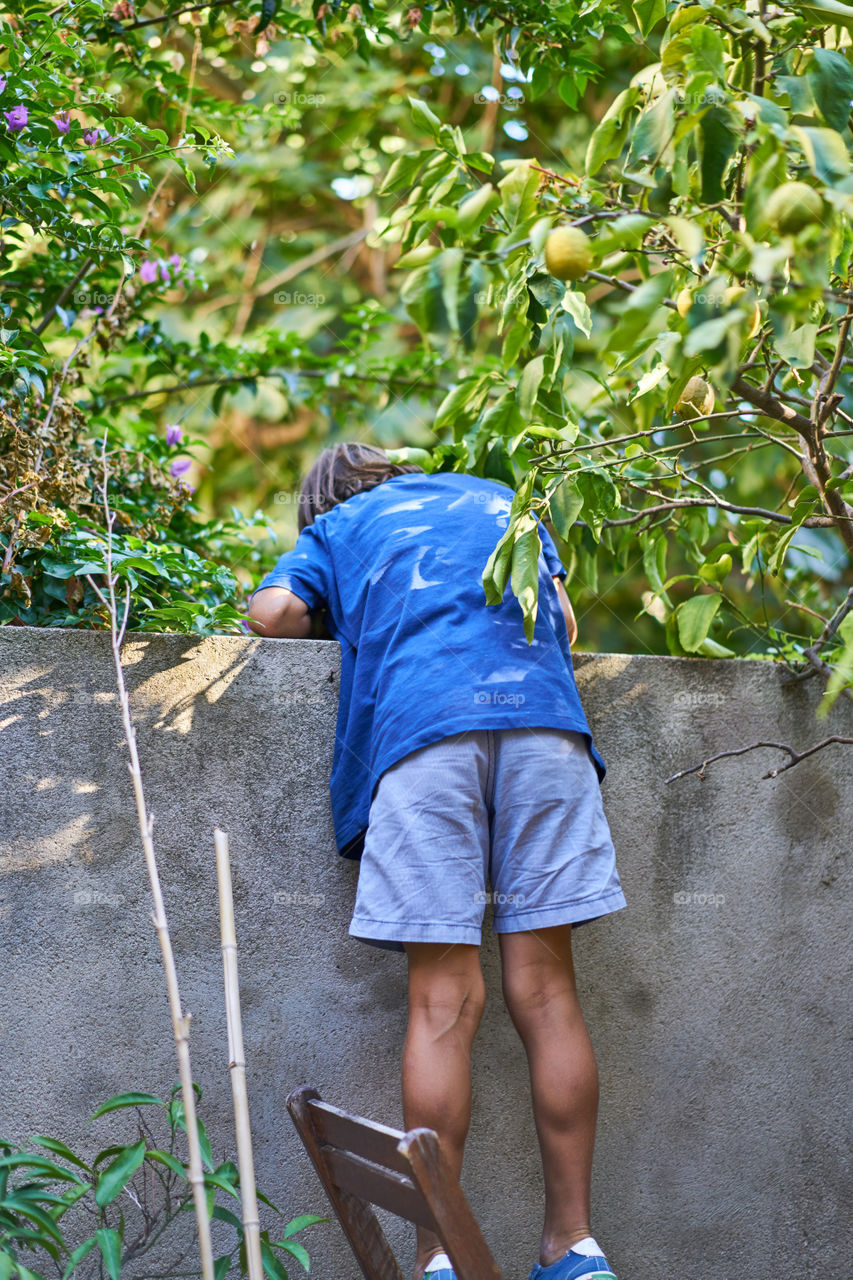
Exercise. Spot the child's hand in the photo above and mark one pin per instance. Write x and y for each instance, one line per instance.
(565, 604)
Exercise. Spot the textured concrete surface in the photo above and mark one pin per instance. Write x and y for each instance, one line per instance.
(718, 1001)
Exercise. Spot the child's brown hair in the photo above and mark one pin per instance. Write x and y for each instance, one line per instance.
(342, 471)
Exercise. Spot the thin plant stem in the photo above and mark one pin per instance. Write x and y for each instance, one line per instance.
(237, 1059)
(180, 1020)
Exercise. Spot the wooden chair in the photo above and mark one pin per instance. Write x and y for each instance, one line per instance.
(362, 1164)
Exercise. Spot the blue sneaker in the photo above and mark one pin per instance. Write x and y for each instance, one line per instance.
(439, 1267)
(584, 1261)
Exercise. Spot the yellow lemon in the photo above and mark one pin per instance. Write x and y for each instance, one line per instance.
(793, 206)
(696, 400)
(684, 302)
(568, 253)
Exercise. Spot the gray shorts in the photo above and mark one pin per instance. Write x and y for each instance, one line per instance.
(517, 808)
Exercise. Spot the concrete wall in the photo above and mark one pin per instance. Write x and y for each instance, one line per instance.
(718, 1001)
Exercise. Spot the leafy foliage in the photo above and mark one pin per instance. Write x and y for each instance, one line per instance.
(135, 1193)
(679, 415)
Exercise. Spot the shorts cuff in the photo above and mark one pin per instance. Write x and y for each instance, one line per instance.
(392, 934)
(570, 913)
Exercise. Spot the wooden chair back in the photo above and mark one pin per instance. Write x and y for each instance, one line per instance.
(362, 1164)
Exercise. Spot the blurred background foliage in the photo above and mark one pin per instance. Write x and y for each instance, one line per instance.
(202, 212)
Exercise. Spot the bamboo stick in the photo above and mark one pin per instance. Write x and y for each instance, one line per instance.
(237, 1060)
(180, 1020)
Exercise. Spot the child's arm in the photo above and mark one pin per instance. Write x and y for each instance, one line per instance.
(277, 612)
(565, 603)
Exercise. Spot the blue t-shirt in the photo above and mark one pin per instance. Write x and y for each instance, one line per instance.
(398, 569)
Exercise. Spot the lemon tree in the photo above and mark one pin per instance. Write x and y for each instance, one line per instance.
(652, 344)
(600, 253)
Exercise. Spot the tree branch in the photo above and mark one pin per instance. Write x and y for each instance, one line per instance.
(795, 757)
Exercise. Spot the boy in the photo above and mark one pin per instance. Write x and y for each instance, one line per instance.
(462, 753)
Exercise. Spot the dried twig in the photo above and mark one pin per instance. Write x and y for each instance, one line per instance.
(180, 1020)
(795, 757)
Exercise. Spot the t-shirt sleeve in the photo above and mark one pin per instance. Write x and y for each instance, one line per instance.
(555, 565)
(305, 570)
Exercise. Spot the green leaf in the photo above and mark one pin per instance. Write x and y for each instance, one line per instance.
(694, 620)
(297, 1251)
(651, 143)
(825, 152)
(424, 116)
(126, 1100)
(648, 14)
(466, 395)
(404, 170)
(477, 207)
(167, 1159)
(611, 133)
(528, 386)
(272, 1265)
(578, 308)
(300, 1223)
(831, 79)
(78, 1255)
(842, 673)
(640, 308)
(109, 1243)
(39, 1164)
(214, 1180)
(115, 1176)
(720, 132)
(832, 11)
(565, 504)
(60, 1149)
(525, 577)
(797, 348)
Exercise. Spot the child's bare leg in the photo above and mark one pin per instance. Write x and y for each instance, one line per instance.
(539, 989)
(446, 998)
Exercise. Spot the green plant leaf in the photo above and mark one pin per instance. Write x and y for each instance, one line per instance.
(114, 1178)
(297, 1251)
(694, 620)
(300, 1223)
(78, 1255)
(126, 1100)
(60, 1149)
(524, 577)
(109, 1243)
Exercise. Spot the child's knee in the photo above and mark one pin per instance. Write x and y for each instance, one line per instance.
(448, 998)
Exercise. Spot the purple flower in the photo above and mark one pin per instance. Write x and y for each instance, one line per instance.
(180, 466)
(175, 259)
(164, 270)
(174, 434)
(92, 137)
(16, 119)
(148, 272)
(2, 83)
(62, 122)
